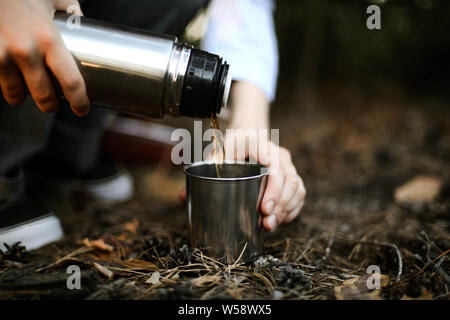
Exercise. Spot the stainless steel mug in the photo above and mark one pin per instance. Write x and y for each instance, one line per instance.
(145, 73)
(223, 214)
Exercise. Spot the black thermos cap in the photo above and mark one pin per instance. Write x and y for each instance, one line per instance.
(204, 85)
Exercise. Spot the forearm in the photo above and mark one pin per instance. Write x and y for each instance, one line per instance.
(249, 107)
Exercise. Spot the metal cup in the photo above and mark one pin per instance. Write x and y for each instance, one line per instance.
(224, 214)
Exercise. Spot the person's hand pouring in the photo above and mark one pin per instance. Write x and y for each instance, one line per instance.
(32, 51)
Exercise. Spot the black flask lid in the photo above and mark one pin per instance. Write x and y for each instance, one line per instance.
(204, 85)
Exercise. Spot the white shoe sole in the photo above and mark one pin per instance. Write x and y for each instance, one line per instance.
(32, 234)
(111, 190)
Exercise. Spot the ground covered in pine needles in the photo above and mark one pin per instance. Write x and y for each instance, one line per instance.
(377, 176)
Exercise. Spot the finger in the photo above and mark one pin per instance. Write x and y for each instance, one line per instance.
(299, 196)
(270, 223)
(12, 85)
(36, 78)
(70, 6)
(290, 187)
(273, 192)
(294, 213)
(66, 72)
(11, 80)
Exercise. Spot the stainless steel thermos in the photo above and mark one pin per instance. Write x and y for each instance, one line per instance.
(137, 71)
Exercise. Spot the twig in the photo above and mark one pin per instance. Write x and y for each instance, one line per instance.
(441, 271)
(128, 271)
(286, 250)
(435, 259)
(427, 244)
(203, 260)
(70, 255)
(328, 248)
(303, 254)
(306, 266)
(104, 270)
(240, 256)
(211, 259)
(441, 296)
(399, 255)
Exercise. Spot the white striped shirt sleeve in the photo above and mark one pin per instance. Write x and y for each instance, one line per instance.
(242, 31)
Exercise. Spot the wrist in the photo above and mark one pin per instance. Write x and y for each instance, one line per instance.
(250, 107)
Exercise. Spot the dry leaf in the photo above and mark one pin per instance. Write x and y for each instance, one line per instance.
(206, 280)
(424, 296)
(420, 189)
(98, 244)
(357, 289)
(154, 278)
(239, 279)
(131, 226)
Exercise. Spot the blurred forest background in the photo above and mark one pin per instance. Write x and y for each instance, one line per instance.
(323, 41)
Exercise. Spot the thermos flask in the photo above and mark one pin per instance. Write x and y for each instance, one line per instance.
(141, 72)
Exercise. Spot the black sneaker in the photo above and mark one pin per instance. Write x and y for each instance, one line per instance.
(12, 187)
(109, 182)
(33, 228)
(21, 221)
